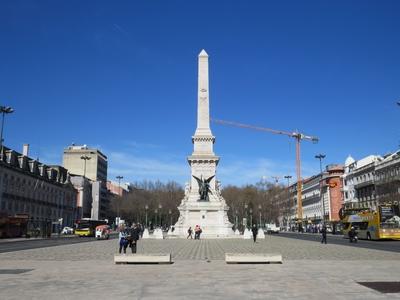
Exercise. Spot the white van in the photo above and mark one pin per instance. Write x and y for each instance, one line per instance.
(271, 228)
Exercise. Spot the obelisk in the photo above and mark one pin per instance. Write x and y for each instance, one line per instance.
(203, 102)
(210, 214)
(203, 161)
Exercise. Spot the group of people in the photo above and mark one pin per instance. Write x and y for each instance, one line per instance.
(197, 232)
(129, 237)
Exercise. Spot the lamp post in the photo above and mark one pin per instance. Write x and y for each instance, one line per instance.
(85, 158)
(146, 207)
(251, 217)
(236, 219)
(156, 212)
(159, 207)
(321, 157)
(119, 184)
(288, 193)
(4, 110)
(119, 190)
(245, 212)
(170, 217)
(259, 211)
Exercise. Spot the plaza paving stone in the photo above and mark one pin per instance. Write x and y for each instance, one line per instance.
(213, 249)
(309, 271)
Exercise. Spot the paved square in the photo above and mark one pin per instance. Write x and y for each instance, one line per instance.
(309, 271)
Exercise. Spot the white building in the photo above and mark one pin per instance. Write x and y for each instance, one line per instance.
(359, 181)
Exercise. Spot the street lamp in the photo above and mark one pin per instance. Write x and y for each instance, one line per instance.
(119, 184)
(170, 217)
(85, 158)
(251, 216)
(276, 179)
(245, 211)
(159, 207)
(236, 219)
(156, 212)
(146, 207)
(288, 193)
(4, 110)
(259, 210)
(321, 157)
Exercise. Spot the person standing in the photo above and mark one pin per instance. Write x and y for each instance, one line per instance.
(323, 232)
(134, 236)
(254, 229)
(123, 240)
(199, 231)
(190, 233)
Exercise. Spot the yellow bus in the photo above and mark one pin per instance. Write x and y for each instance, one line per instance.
(383, 223)
(86, 227)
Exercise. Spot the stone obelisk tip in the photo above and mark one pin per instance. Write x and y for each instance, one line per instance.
(203, 53)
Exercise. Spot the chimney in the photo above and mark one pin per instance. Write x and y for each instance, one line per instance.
(25, 150)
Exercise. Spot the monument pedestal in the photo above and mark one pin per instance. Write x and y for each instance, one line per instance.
(210, 216)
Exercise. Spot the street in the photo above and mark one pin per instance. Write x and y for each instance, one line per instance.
(384, 245)
(25, 244)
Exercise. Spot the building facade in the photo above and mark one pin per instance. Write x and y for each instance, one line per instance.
(83, 187)
(311, 198)
(359, 182)
(332, 187)
(92, 164)
(120, 189)
(321, 196)
(30, 187)
(387, 179)
(372, 180)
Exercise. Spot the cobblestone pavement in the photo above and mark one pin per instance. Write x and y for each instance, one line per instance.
(182, 249)
(309, 271)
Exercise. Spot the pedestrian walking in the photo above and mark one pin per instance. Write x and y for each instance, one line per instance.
(323, 231)
(254, 229)
(141, 230)
(123, 240)
(190, 233)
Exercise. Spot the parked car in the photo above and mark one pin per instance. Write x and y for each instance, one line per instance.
(67, 230)
(329, 229)
(271, 228)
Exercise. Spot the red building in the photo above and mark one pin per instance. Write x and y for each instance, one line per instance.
(333, 187)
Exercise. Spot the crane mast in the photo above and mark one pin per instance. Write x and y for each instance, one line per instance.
(295, 134)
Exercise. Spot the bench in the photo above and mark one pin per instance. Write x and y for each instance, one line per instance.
(140, 258)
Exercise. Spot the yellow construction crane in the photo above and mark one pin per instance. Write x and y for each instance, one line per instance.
(298, 136)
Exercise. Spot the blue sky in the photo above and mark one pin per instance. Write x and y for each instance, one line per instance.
(122, 76)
